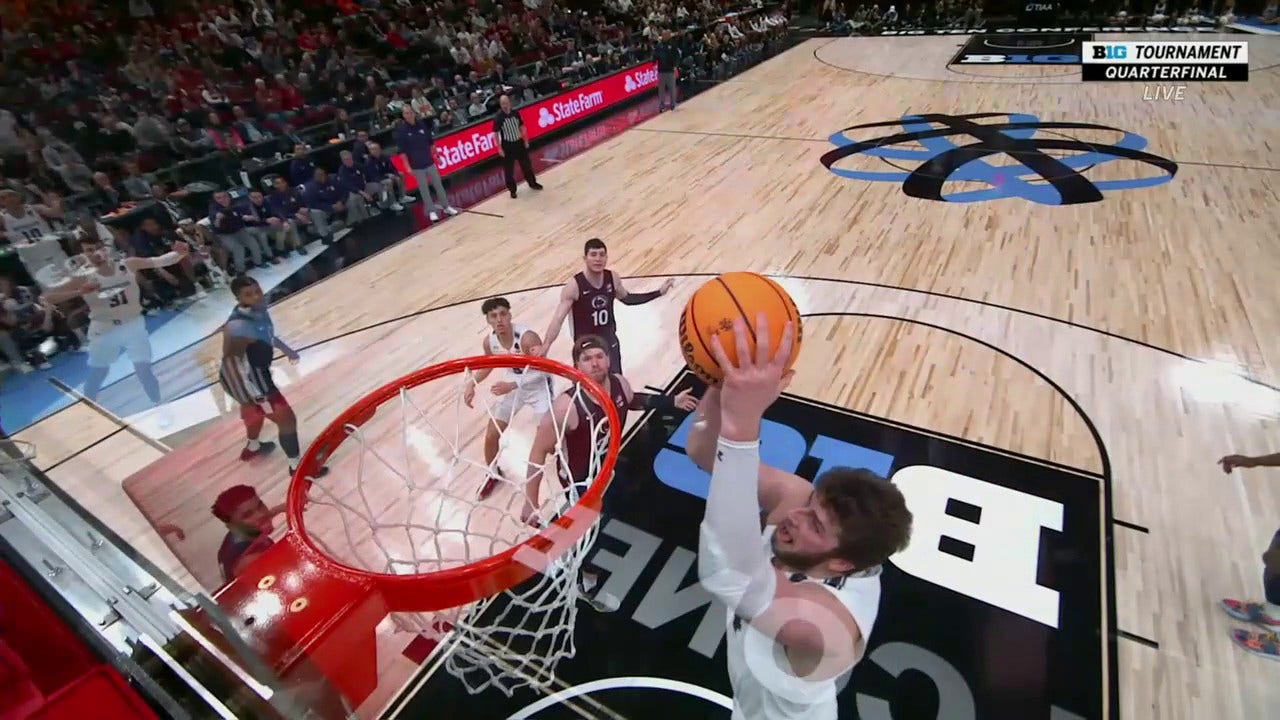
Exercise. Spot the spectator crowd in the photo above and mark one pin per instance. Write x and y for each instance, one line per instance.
(107, 107)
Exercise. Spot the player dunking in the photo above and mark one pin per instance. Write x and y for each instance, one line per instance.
(521, 387)
(589, 297)
(810, 582)
(249, 343)
(110, 289)
(579, 425)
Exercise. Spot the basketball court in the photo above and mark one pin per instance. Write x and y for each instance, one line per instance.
(1053, 374)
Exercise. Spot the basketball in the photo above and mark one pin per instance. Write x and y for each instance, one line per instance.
(713, 308)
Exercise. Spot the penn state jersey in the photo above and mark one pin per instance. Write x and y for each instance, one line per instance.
(583, 445)
(593, 310)
(763, 689)
(29, 228)
(118, 297)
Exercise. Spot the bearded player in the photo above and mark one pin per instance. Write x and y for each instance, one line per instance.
(802, 595)
(588, 298)
(520, 387)
(110, 289)
(579, 426)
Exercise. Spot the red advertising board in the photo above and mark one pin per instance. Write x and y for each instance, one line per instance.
(466, 147)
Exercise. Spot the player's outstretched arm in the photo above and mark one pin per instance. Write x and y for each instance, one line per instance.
(779, 491)
(734, 564)
(633, 298)
(568, 294)
(1231, 462)
(180, 251)
(72, 288)
(551, 428)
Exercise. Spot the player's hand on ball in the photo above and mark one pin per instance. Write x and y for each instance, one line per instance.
(760, 376)
(686, 401)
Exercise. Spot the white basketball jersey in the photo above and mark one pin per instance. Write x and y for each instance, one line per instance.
(29, 228)
(118, 297)
(762, 689)
(518, 375)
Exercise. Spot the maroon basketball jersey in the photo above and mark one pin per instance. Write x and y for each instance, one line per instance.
(591, 434)
(593, 310)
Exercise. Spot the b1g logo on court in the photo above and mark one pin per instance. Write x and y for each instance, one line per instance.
(999, 603)
(1048, 163)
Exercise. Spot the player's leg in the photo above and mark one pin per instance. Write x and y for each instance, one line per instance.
(104, 348)
(254, 417)
(287, 427)
(232, 382)
(500, 415)
(1265, 614)
(138, 347)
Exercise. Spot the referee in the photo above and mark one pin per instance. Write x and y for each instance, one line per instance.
(513, 145)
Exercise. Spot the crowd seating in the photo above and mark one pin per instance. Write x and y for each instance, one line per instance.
(872, 18)
(114, 113)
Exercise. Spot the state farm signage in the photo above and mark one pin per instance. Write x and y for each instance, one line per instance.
(466, 147)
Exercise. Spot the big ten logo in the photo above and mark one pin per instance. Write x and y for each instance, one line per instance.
(970, 536)
(1020, 59)
(1110, 52)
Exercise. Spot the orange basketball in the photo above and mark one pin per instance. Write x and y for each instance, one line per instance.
(713, 308)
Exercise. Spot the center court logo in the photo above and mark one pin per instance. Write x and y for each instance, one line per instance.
(1046, 162)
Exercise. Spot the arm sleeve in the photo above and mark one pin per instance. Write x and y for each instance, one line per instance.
(732, 562)
(165, 260)
(640, 298)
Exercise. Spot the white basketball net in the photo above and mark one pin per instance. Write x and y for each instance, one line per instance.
(413, 509)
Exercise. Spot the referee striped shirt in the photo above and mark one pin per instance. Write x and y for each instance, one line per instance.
(507, 126)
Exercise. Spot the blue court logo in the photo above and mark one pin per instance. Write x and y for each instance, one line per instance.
(1044, 163)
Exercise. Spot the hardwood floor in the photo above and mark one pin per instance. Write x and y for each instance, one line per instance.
(1114, 337)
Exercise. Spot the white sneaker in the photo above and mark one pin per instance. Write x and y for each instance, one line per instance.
(397, 207)
(450, 210)
(406, 199)
(433, 216)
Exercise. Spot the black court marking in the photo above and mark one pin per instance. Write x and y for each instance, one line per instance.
(1138, 639)
(1131, 526)
(109, 415)
(647, 557)
(476, 212)
(119, 429)
(964, 511)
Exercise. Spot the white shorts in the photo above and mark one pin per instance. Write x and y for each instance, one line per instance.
(107, 341)
(535, 394)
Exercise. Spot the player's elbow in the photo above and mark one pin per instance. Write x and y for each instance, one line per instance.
(701, 445)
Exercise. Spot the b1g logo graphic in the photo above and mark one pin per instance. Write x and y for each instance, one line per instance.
(1049, 163)
(1003, 577)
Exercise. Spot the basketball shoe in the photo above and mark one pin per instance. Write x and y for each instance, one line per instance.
(1251, 612)
(1263, 644)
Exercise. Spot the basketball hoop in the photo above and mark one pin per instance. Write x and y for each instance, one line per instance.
(397, 527)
